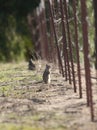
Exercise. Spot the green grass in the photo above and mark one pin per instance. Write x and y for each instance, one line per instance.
(10, 126)
(18, 127)
(13, 75)
(14, 82)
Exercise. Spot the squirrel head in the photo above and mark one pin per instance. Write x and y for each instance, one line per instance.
(48, 67)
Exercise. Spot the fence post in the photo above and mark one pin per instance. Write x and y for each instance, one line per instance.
(77, 48)
(86, 58)
(56, 41)
(70, 45)
(65, 51)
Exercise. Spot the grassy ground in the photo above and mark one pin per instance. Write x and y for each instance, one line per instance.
(26, 103)
(17, 88)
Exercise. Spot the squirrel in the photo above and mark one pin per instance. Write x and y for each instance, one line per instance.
(31, 65)
(47, 74)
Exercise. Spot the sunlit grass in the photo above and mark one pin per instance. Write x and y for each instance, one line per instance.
(17, 127)
(27, 127)
(17, 82)
(13, 75)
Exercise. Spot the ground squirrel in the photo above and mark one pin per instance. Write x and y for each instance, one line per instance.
(31, 65)
(47, 74)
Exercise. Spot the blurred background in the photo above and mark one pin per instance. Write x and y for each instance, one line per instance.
(16, 28)
(15, 37)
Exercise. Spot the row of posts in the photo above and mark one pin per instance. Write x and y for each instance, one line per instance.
(48, 46)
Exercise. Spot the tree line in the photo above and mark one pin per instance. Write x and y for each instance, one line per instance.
(15, 37)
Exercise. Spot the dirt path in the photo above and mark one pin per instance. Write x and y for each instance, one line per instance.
(50, 107)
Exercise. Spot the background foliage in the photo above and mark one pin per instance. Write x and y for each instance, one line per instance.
(15, 37)
(14, 32)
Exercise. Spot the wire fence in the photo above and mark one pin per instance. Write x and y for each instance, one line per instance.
(55, 42)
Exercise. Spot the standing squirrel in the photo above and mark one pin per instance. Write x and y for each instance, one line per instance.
(47, 74)
(31, 65)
